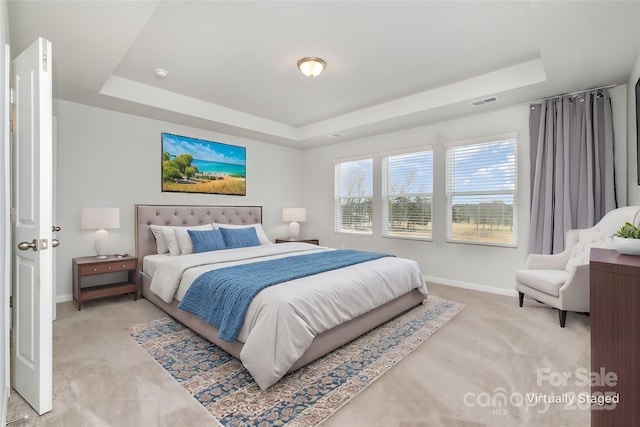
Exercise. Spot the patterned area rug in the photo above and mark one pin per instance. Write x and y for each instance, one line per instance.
(303, 398)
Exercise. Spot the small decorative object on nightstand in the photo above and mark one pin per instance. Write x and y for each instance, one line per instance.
(91, 266)
(289, 240)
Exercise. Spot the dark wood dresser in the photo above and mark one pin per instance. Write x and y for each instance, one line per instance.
(615, 336)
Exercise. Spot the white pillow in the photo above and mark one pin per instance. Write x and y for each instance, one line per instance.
(178, 240)
(184, 240)
(171, 240)
(264, 240)
(161, 243)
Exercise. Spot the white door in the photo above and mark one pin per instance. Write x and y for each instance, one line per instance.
(5, 232)
(32, 207)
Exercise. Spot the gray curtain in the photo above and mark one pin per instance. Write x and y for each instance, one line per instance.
(572, 167)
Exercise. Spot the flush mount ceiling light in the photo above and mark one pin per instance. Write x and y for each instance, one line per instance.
(161, 73)
(311, 67)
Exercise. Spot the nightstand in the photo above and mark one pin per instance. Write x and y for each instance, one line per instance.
(91, 266)
(288, 240)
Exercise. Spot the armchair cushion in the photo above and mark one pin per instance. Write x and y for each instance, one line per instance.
(547, 281)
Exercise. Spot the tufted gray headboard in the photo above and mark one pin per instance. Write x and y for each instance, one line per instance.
(179, 215)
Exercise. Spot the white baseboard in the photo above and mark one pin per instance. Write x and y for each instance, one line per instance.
(472, 286)
(63, 298)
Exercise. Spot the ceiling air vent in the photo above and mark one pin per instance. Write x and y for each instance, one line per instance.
(484, 101)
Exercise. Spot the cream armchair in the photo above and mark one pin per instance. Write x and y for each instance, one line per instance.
(562, 280)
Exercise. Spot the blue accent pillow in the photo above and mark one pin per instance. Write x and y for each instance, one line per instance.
(207, 240)
(240, 237)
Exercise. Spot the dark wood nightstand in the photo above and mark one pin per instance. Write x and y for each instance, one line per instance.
(289, 240)
(91, 266)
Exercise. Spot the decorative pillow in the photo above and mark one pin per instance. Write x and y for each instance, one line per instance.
(240, 237)
(262, 237)
(205, 241)
(184, 241)
(175, 240)
(161, 243)
(171, 240)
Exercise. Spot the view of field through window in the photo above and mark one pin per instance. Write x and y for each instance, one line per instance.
(481, 192)
(488, 222)
(480, 189)
(354, 194)
(407, 194)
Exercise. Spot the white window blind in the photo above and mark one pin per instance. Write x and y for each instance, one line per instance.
(354, 196)
(482, 192)
(407, 186)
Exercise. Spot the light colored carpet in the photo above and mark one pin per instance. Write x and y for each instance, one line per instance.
(103, 378)
(302, 399)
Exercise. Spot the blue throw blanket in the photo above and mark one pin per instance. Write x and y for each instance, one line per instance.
(222, 297)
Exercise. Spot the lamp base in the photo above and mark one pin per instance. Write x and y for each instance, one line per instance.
(100, 242)
(294, 230)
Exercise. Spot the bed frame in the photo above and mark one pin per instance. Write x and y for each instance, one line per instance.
(198, 215)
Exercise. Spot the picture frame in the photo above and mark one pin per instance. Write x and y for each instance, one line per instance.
(193, 165)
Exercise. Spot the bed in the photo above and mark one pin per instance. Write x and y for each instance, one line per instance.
(267, 348)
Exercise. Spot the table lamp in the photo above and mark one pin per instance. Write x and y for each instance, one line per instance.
(100, 219)
(293, 216)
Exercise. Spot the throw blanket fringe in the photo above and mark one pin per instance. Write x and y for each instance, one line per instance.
(221, 297)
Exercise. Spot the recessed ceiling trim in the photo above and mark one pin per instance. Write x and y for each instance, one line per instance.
(517, 76)
(140, 93)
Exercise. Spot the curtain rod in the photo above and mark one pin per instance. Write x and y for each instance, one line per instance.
(572, 93)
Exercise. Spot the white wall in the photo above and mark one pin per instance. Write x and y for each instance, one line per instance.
(633, 189)
(474, 266)
(5, 203)
(460, 264)
(106, 158)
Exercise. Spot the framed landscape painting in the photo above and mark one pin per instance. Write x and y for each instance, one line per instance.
(191, 165)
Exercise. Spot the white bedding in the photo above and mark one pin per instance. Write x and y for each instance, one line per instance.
(150, 263)
(282, 320)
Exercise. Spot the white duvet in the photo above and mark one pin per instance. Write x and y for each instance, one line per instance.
(282, 320)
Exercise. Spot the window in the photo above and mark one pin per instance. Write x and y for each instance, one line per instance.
(481, 192)
(354, 196)
(407, 190)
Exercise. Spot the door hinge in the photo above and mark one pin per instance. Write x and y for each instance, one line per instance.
(11, 301)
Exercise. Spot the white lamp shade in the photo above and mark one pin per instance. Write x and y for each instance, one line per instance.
(99, 218)
(294, 214)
